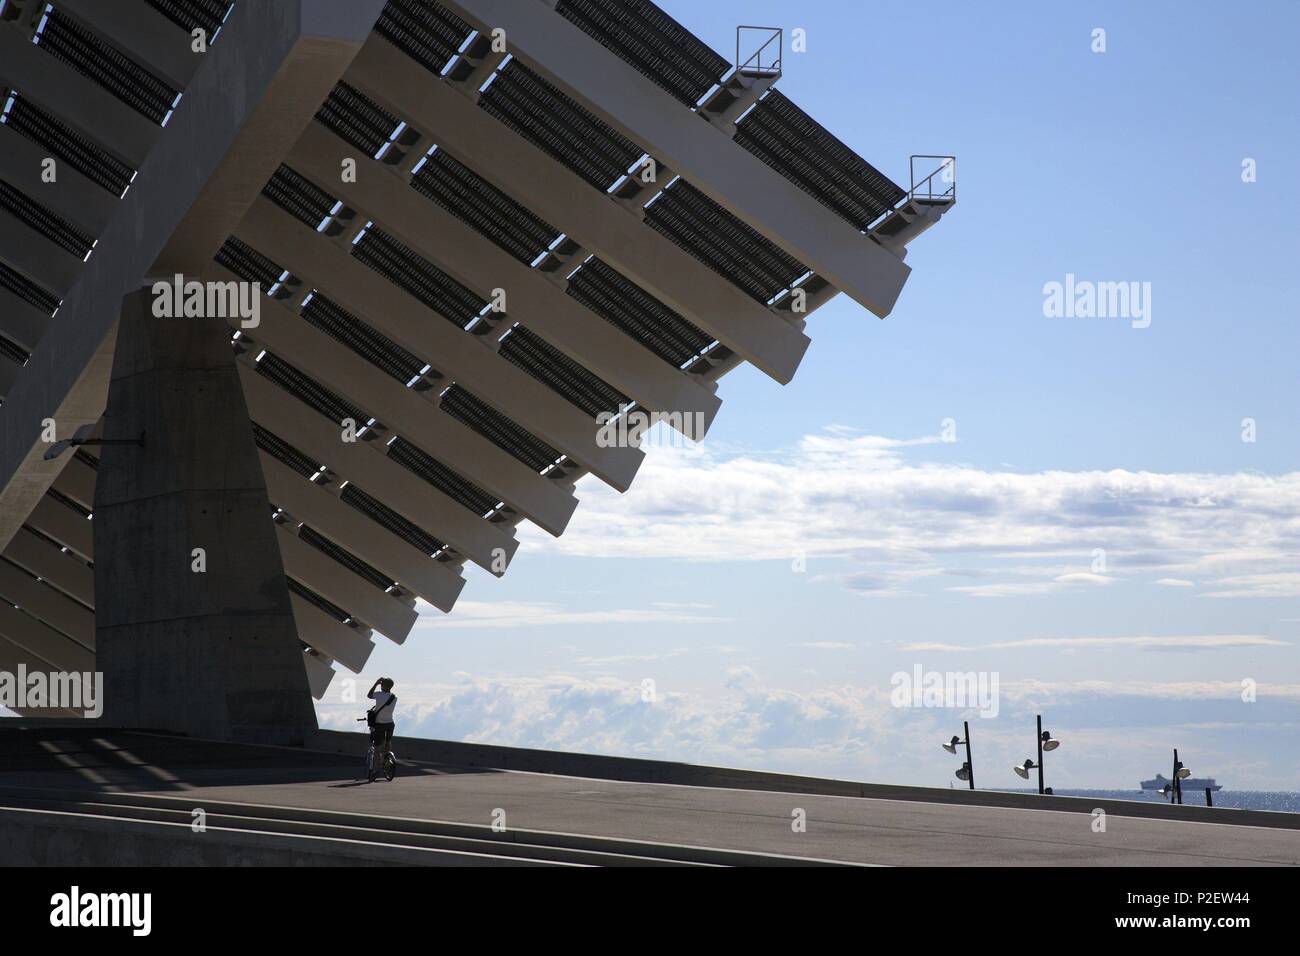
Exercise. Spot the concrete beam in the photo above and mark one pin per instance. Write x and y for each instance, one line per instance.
(702, 153)
(19, 321)
(348, 646)
(77, 481)
(11, 658)
(143, 34)
(331, 580)
(375, 473)
(79, 102)
(43, 641)
(48, 604)
(319, 672)
(479, 264)
(531, 177)
(50, 564)
(45, 261)
(251, 96)
(72, 195)
(434, 581)
(459, 355)
(409, 414)
(56, 520)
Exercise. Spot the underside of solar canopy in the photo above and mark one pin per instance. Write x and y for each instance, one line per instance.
(479, 228)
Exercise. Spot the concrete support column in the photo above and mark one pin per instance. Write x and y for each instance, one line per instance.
(212, 652)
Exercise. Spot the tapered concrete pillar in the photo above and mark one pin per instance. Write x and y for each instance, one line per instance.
(193, 626)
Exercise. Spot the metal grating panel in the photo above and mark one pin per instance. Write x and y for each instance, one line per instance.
(374, 347)
(49, 224)
(192, 15)
(307, 594)
(807, 154)
(299, 196)
(94, 59)
(552, 121)
(247, 263)
(409, 270)
(652, 42)
(561, 374)
(722, 242)
(346, 558)
(91, 161)
(451, 484)
(383, 515)
(636, 312)
(423, 30)
(496, 428)
(14, 353)
(27, 290)
(357, 118)
(278, 448)
(475, 201)
(308, 390)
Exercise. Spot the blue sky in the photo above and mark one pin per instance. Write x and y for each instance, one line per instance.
(1072, 435)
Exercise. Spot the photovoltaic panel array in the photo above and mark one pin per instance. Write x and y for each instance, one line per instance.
(555, 123)
(807, 154)
(724, 243)
(650, 41)
(427, 32)
(478, 203)
(621, 302)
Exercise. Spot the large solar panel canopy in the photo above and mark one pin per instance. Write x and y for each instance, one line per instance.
(437, 246)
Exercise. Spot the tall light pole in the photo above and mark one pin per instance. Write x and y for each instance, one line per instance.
(967, 771)
(1045, 742)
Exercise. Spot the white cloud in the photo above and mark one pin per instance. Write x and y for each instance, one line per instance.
(856, 497)
(516, 614)
(1176, 583)
(1196, 642)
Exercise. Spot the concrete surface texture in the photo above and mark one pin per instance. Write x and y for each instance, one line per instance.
(316, 789)
(194, 630)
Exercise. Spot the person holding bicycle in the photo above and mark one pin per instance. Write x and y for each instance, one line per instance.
(380, 715)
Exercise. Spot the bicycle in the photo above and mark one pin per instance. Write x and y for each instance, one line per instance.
(389, 762)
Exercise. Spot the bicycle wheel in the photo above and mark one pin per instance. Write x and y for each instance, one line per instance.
(390, 767)
(370, 765)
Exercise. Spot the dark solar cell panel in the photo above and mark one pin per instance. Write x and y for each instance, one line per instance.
(48, 223)
(570, 380)
(345, 558)
(722, 242)
(193, 14)
(421, 278)
(357, 118)
(425, 31)
(383, 515)
(91, 161)
(328, 403)
(651, 42)
(498, 429)
(472, 199)
(807, 154)
(556, 124)
(247, 263)
(305, 200)
(90, 56)
(451, 484)
(27, 290)
(633, 310)
(307, 594)
(14, 353)
(278, 448)
(374, 347)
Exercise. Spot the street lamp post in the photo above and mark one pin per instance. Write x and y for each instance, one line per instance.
(1045, 742)
(967, 771)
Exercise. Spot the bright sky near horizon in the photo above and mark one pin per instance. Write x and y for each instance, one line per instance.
(1072, 435)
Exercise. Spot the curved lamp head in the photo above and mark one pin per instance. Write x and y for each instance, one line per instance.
(1051, 744)
(1183, 773)
(963, 773)
(1022, 770)
(951, 746)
